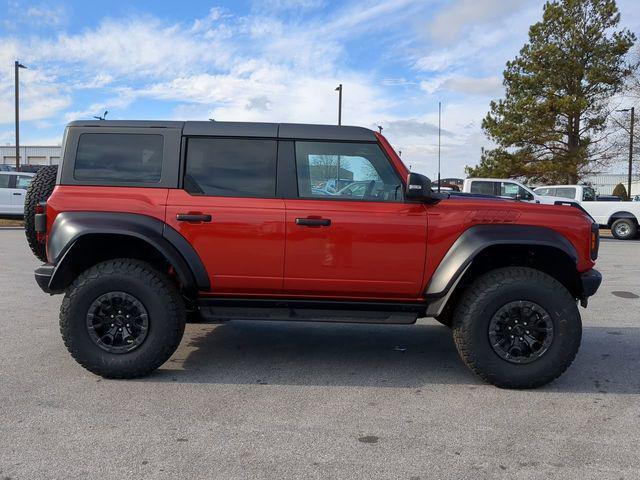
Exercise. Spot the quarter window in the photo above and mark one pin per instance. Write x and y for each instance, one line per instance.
(119, 158)
(346, 171)
(23, 181)
(226, 167)
(588, 194)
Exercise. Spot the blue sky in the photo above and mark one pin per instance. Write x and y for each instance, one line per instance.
(276, 60)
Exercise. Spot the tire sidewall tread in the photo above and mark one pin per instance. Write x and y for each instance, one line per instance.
(156, 292)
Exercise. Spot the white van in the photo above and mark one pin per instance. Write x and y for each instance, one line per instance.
(13, 188)
(505, 187)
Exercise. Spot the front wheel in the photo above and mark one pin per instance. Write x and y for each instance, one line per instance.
(517, 327)
(624, 229)
(122, 319)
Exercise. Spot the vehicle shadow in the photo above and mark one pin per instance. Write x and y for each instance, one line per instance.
(384, 356)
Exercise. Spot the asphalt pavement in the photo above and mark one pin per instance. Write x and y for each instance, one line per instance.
(285, 400)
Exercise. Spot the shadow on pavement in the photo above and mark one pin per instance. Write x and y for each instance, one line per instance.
(397, 356)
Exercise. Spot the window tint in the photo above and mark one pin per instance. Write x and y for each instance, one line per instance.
(227, 167)
(23, 181)
(119, 158)
(357, 171)
(4, 181)
(485, 188)
(566, 192)
(588, 194)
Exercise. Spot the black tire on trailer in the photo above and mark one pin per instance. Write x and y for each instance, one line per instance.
(517, 327)
(39, 190)
(122, 318)
(624, 229)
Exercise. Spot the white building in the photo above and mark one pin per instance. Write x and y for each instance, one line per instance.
(31, 155)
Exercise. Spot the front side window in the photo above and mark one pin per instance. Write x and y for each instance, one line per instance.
(482, 187)
(119, 158)
(23, 181)
(227, 167)
(588, 194)
(346, 171)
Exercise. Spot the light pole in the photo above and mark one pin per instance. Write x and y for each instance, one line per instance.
(18, 66)
(439, 130)
(633, 114)
(339, 90)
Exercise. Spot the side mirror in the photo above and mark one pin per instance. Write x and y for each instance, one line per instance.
(418, 187)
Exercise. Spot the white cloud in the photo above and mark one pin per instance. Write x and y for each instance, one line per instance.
(467, 85)
(463, 14)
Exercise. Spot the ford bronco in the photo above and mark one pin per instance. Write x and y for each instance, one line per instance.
(147, 224)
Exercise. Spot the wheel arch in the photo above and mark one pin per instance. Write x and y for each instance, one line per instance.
(79, 240)
(485, 247)
(619, 215)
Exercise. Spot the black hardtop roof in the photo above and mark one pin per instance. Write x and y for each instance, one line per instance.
(244, 129)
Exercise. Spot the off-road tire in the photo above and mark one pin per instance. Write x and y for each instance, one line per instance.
(39, 190)
(629, 230)
(166, 313)
(490, 292)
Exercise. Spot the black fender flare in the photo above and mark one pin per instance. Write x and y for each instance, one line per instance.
(69, 227)
(475, 239)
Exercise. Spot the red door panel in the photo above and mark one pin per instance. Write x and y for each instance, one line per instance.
(242, 246)
(369, 250)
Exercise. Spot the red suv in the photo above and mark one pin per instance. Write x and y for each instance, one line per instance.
(147, 224)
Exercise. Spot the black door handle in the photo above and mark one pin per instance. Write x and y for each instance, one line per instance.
(17, 193)
(193, 217)
(313, 222)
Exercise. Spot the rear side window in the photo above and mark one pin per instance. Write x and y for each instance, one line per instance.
(566, 192)
(4, 181)
(225, 167)
(119, 158)
(485, 188)
(588, 194)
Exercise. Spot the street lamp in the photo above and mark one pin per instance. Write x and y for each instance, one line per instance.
(339, 90)
(18, 66)
(633, 112)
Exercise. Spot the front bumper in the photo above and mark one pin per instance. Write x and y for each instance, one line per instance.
(590, 280)
(43, 274)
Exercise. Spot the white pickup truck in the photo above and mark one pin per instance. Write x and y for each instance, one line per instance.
(621, 217)
(505, 187)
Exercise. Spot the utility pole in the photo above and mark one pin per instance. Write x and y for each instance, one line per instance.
(633, 112)
(439, 130)
(339, 90)
(18, 66)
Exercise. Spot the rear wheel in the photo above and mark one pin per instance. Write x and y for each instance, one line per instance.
(39, 190)
(624, 229)
(122, 319)
(517, 327)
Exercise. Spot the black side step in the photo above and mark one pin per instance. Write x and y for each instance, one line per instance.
(310, 311)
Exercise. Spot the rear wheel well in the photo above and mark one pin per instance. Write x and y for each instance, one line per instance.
(620, 215)
(550, 260)
(92, 249)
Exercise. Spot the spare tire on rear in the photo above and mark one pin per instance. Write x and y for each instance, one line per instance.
(39, 190)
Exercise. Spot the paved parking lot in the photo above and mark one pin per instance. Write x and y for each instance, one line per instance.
(281, 400)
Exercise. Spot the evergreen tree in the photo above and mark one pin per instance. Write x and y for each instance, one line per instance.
(550, 126)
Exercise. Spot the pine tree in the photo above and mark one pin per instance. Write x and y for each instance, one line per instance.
(550, 126)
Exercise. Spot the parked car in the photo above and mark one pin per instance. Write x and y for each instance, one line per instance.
(151, 223)
(13, 188)
(506, 188)
(7, 168)
(620, 216)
